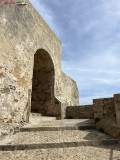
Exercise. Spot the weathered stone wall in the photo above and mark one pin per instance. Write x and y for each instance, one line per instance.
(117, 109)
(22, 33)
(105, 116)
(80, 112)
(70, 93)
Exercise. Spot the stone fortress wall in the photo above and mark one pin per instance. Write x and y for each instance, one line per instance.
(105, 111)
(80, 112)
(27, 42)
(30, 56)
(107, 115)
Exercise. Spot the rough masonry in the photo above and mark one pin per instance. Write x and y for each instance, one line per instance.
(31, 79)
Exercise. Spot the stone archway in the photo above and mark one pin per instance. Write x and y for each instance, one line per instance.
(42, 100)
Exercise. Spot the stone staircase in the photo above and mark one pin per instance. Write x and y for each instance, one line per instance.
(36, 118)
(46, 138)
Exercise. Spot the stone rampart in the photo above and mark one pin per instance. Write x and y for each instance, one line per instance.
(105, 116)
(70, 93)
(23, 34)
(80, 112)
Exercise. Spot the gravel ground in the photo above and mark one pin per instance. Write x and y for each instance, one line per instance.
(58, 136)
(77, 153)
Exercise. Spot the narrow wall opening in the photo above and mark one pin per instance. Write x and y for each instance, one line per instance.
(42, 99)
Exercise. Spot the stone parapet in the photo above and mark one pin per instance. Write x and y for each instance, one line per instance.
(105, 115)
(80, 112)
(117, 109)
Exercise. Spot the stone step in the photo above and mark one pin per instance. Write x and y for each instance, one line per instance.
(34, 114)
(102, 152)
(33, 129)
(38, 119)
(13, 147)
(63, 123)
(55, 128)
(58, 136)
(58, 125)
(59, 139)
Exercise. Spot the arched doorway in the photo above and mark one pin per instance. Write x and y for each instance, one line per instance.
(42, 100)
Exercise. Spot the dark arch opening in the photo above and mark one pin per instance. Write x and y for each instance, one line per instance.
(43, 84)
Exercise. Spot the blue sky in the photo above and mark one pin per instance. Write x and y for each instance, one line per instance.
(90, 35)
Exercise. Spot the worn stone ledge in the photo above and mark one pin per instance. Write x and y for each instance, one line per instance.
(98, 99)
(57, 145)
(87, 127)
(32, 129)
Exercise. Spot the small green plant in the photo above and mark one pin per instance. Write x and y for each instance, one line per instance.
(101, 130)
(97, 119)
